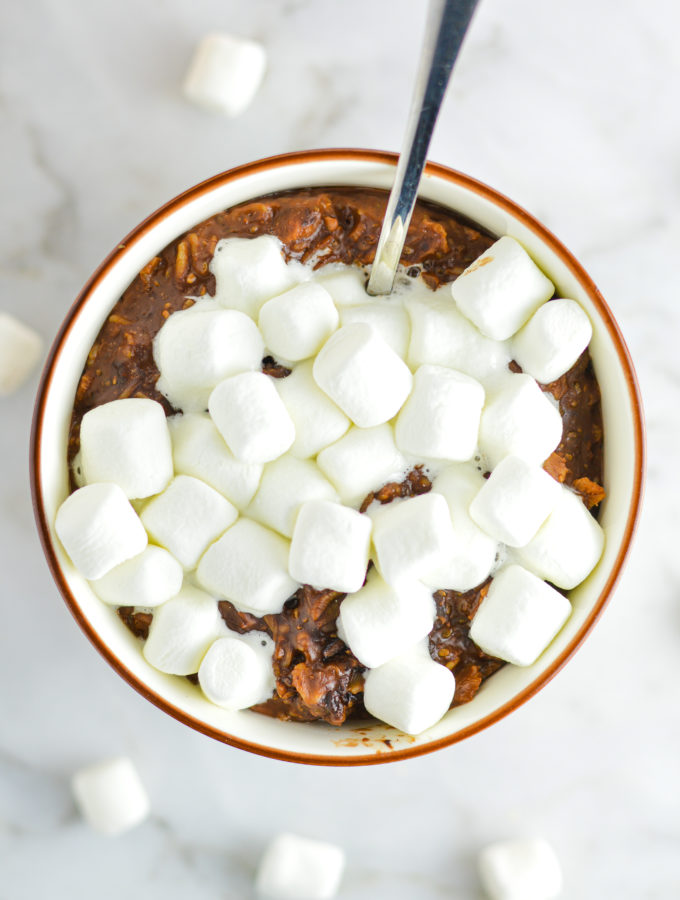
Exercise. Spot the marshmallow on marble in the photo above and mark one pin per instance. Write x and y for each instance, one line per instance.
(20, 351)
(249, 271)
(440, 419)
(296, 323)
(330, 546)
(286, 484)
(522, 869)
(552, 340)
(187, 517)
(318, 421)
(515, 501)
(99, 529)
(362, 374)
(501, 289)
(181, 631)
(519, 419)
(110, 796)
(297, 868)
(251, 417)
(248, 566)
(567, 547)
(145, 580)
(234, 676)
(127, 442)
(345, 284)
(225, 73)
(389, 319)
(518, 617)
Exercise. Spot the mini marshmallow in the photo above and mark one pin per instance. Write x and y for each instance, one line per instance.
(519, 616)
(379, 622)
(20, 351)
(286, 484)
(567, 547)
(330, 546)
(225, 73)
(234, 676)
(248, 565)
(362, 461)
(251, 417)
(410, 692)
(249, 271)
(298, 322)
(318, 421)
(127, 442)
(501, 289)
(198, 449)
(515, 501)
(389, 319)
(440, 419)
(552, 340)
(412, 537)
(362, 374)
(345, 284)
(519, 419)
(297, 868)
(99, 529)
(524, 869)
(110, 796)
(187, 517)
(145, 580)
(181, 631)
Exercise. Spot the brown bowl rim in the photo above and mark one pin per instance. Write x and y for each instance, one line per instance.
(499, 200)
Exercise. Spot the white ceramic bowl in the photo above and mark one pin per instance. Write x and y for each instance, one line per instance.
(355, 743)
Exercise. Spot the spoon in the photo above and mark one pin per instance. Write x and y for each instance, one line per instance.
(445, 29)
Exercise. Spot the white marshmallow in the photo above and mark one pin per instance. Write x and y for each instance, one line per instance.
(198, 449)
(330, 546)
(379, 622)
(110, 796)
(567, 547)
(524, 869)
(362, 374)
(249, 271)
(145, 580)
(345, 284)
(388, 317)
(286, 484)
(99, 529)
(181, 631)
(296, 323)
(297, 868)
(225, 73)
(440, 419)
(519, 616)
(473, 552)
(318, 421)
(412, 537)
(362, 461)
(248, 565)
(251, 417)
(520, 420)
(20, 351)
(410, 692)
(234, 676)
(187, 517)
(515, 501)
(127, 442)
(552, 340)
(501, 289)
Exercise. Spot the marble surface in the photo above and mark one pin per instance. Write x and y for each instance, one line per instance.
(571, 110)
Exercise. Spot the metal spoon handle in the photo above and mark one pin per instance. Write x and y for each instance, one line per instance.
(446, 26)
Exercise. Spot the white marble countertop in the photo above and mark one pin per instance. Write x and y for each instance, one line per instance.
(571, 110)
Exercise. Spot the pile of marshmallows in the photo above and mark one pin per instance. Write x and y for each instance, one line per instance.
(261, 494)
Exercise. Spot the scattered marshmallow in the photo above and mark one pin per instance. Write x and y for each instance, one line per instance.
(145, 580)
(286, 484)
(249, 271)
(330, 546)
(389, 319)
(318, 421)
(110, 796)
(515, 501)
(251, 417)
(234, 676)
(127, 442)
(524, 869)
(552, 340)
(501, 289)
(181, 631)
(99, 529)
(362, 374)
(519, 616)
(296, 323)
(440, 419)
(21, 349)
(248, 565)
(297, 868)
(345, 284)
(225, 73)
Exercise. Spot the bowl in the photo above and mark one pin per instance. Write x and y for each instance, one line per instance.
(355, 742)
